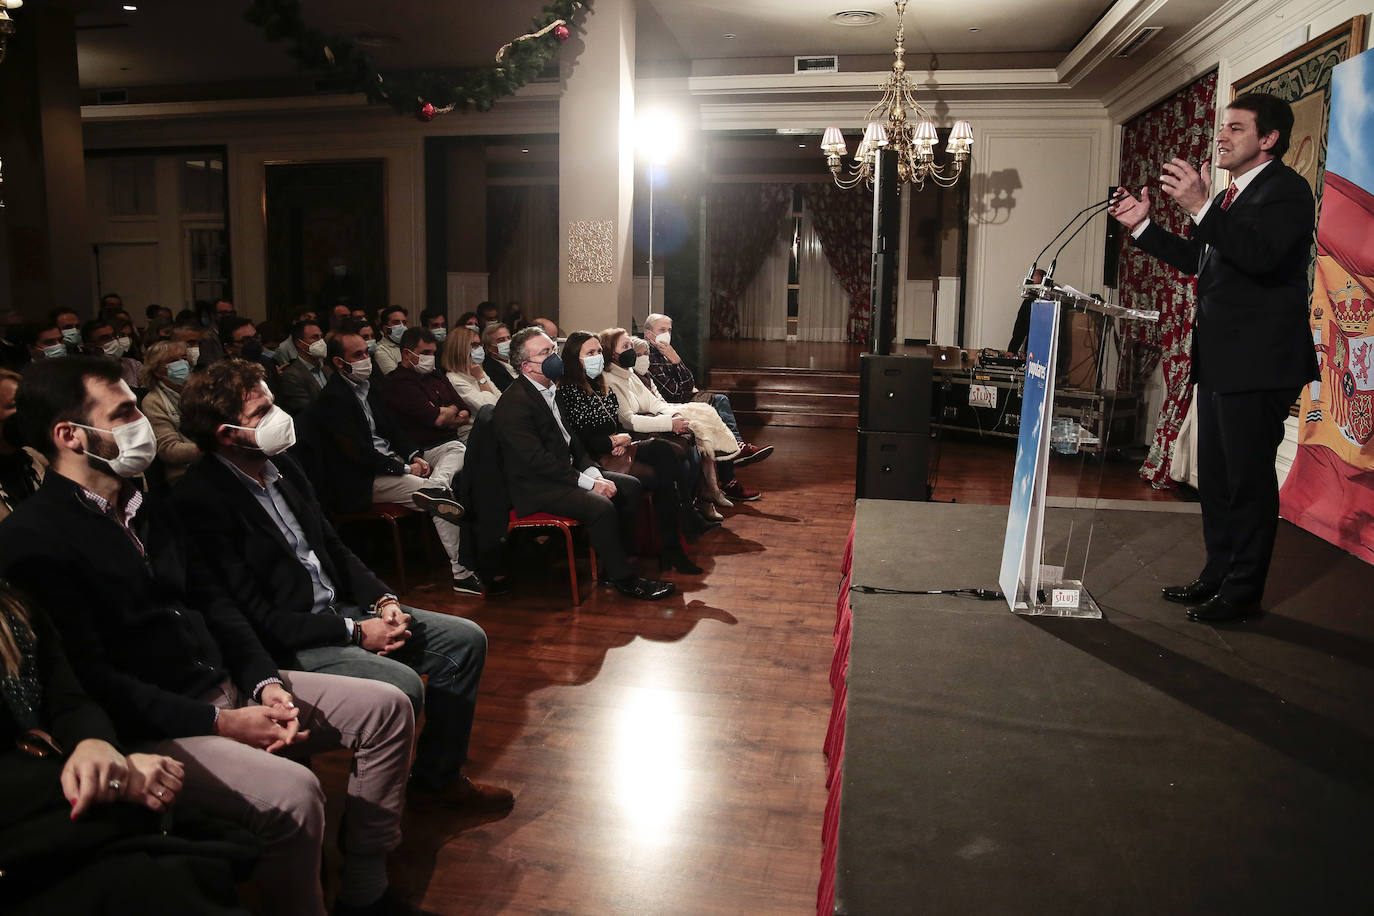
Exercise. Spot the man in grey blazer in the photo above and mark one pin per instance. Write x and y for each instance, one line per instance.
(301, 382)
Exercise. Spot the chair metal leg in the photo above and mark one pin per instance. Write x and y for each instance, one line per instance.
(572, 565)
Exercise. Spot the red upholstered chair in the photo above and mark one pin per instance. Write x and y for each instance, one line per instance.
(389, 513)
(566, 525)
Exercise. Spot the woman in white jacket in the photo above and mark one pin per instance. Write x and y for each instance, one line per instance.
(465, 356)
(643, 411)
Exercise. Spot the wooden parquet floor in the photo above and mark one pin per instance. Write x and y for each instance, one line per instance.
(666, 757)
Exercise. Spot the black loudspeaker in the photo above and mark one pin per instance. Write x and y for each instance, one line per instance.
(894, 393)
(893, 466)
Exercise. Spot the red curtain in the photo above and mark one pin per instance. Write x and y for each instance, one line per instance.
(844, 222)
(1181, 125)
(742, 222)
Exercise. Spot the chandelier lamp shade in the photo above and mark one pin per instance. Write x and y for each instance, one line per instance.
(899, 123)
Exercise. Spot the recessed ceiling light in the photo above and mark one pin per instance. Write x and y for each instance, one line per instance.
(856, 17)
(974, 29)
(524, 151)
(801, 146)
(730, 36)
(130, 8)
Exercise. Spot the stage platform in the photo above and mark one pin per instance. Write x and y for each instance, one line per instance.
(994, 763)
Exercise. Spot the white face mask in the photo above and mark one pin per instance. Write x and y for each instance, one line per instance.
(424, 364)
(371, 345)
(137, 447)
(56, 351)
(361, 370)
(193, 355)
(593, 365)
(112, 349)
(318, 348)
(72, 336)
(642, 364)
(439, 334)
(478, 355)
(274, 434)
(503, 350)
(665, 338)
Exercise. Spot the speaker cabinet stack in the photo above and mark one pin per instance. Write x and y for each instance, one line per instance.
(894, 427)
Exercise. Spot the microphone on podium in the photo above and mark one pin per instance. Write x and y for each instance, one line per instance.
(1035, 265)
(1101, 208)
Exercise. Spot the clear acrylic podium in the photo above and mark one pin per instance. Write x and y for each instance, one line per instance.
(1040, 575)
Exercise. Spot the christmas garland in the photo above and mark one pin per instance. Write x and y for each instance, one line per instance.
(421, 94)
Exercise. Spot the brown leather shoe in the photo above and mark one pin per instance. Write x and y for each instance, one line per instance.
(465, 794)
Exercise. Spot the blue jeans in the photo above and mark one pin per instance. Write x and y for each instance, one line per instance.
(451, 651)
(727, 414)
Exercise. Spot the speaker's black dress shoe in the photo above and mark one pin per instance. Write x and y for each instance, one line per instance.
(644, 589)
(1219, 609)
(1192, 593)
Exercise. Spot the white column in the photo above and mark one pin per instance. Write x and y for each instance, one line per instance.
(596, 171)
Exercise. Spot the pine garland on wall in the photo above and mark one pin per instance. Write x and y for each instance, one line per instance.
(425, 94)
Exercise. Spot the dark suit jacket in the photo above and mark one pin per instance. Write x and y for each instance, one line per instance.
(1252, 331)
(256, 565)
(296, 386)
(502, 375)
(145, 637)
(344, 461)
(540, 466)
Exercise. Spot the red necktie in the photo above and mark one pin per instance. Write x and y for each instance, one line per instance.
(1230, 197)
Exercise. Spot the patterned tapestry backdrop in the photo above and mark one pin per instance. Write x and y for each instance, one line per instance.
(844, 222)
(742, 221)
(1181, 125)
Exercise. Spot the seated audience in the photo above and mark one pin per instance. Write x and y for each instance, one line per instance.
(98, 339)
(124, 330)
(213, 315)
(425, 406)
(79, 820)
(496, 339)
(110, 303)
(548, 470)
(389, 331)
(548, 326)
(21, 468)
(44, 341)
(301, 382)
(488, 313)
(588, 409)
(465, 356)
(155, 311)
(164, 375)
(274, 337)
(175, 664)
(363, 457)
(677, 385)
(435, 320)
(515, 317)
(313, 604)
(643, 411)
(340, 313)
(240, 340)
(469, 320)
(69, 324)
(160, 328)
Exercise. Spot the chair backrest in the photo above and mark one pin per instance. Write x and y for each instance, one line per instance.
(482, 490)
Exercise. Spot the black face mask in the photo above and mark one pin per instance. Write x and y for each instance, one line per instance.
(626, 360)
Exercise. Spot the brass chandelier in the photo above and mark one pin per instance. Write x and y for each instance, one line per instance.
(890, 126)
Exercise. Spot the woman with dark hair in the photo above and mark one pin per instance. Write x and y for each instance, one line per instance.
(81, 824)
(589, 410)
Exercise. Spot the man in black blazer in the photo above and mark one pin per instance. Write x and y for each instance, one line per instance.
(1252, 347)
(315, 606)
(359, 455)
(548, 470)
(166, 652)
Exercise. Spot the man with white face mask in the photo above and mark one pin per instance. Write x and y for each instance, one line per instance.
(312, 602)
(301, 382)
(155, 639)
(427, 408)
(363, 456)
(98, 339)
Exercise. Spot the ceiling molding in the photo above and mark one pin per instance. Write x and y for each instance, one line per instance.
(1125, 18)
(766, 116)
(832, 83)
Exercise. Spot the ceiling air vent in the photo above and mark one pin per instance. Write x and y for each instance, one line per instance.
(1138, 40)
(816, 63)
(111, 96)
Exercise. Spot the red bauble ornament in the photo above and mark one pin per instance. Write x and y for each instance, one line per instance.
(560, 32)
(425, 112)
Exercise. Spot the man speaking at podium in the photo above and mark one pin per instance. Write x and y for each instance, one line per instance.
(1252, 347)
